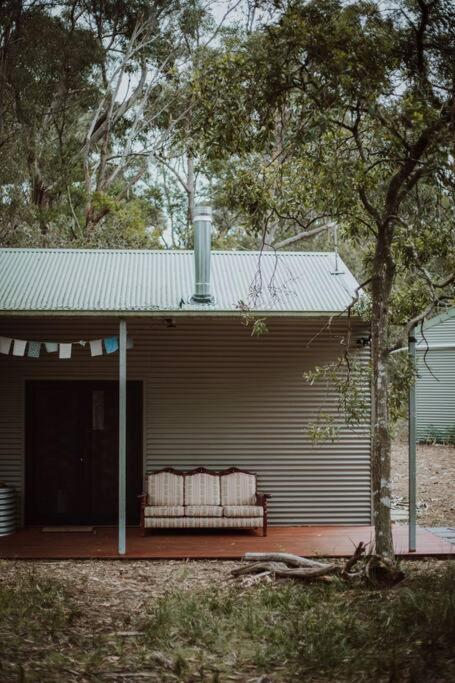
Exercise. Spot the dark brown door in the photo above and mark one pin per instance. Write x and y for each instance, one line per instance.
(72, 452)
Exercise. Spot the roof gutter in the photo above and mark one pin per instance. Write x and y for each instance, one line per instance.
(421, 346)
(163, 313)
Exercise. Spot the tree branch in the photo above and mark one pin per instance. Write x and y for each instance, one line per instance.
(304, 235)
(401, 341)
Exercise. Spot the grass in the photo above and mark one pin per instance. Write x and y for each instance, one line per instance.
(440, 436)
(291, 631)
(321, 630)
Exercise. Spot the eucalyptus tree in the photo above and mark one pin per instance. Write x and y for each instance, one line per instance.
(182, 166)
(366, 90)
(45, 87)
(81, 94)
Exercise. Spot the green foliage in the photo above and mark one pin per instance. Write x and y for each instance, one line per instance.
(402, 374)
(322, 429)
(71, 131)
(350, 378)
(313, 126)
(362, 308)
(255, 323)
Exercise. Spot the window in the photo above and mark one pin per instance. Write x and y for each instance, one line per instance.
(98, 410)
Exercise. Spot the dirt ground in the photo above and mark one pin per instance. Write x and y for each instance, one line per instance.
(435, 481)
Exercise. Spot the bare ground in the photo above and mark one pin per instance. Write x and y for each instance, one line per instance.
(435, 481)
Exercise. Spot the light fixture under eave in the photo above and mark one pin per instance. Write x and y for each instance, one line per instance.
(170, 322)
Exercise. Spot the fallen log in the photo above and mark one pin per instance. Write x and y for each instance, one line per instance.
(376, 570)
(288, 558)
(256, 567)
(281, 570)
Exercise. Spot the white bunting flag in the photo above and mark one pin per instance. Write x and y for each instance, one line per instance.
(5, 344)
(129, 343)
(96, 347)
(65, 351)
(51, 347)
(19, 347)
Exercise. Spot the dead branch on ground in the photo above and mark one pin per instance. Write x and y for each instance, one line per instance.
(361, 567)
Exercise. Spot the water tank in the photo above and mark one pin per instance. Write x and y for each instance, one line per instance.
(7, 510)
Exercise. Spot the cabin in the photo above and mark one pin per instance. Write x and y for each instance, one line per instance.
(116, 363)
(435, 384)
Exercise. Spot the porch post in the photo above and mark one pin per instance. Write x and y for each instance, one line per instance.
(412, 448)
(122, 441)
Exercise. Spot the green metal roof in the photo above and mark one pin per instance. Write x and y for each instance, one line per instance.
(447, 314)
(147, 282)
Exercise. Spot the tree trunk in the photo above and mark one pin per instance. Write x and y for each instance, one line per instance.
(93, 217)
(381, 451)
(40, 195)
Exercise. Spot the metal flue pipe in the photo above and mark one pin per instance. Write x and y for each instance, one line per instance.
(202, 222)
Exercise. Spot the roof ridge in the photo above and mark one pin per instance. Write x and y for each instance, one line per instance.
(227, 252)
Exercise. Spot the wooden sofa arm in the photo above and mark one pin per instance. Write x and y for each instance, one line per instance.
(261, 498)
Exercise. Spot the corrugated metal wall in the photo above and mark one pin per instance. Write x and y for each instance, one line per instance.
(215, 396)
(435, 387)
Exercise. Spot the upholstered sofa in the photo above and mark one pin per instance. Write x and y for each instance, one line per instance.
(203, 498)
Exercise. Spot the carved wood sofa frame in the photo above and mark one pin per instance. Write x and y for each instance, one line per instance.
(261, 498)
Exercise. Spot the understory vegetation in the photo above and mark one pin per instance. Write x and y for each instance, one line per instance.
(445, 437)
(54, 630)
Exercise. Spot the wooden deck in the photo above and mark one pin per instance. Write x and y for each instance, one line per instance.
(309, 541)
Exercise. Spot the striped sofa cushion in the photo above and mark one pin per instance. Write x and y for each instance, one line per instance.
(203, 511)
(202, 489)
(165, 488)
(243, 511)
(203, 522)
(164, 511)
(238, 488)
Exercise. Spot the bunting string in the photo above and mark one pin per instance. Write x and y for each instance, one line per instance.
(34, 349)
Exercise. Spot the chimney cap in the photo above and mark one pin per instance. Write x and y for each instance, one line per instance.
(202, 211)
